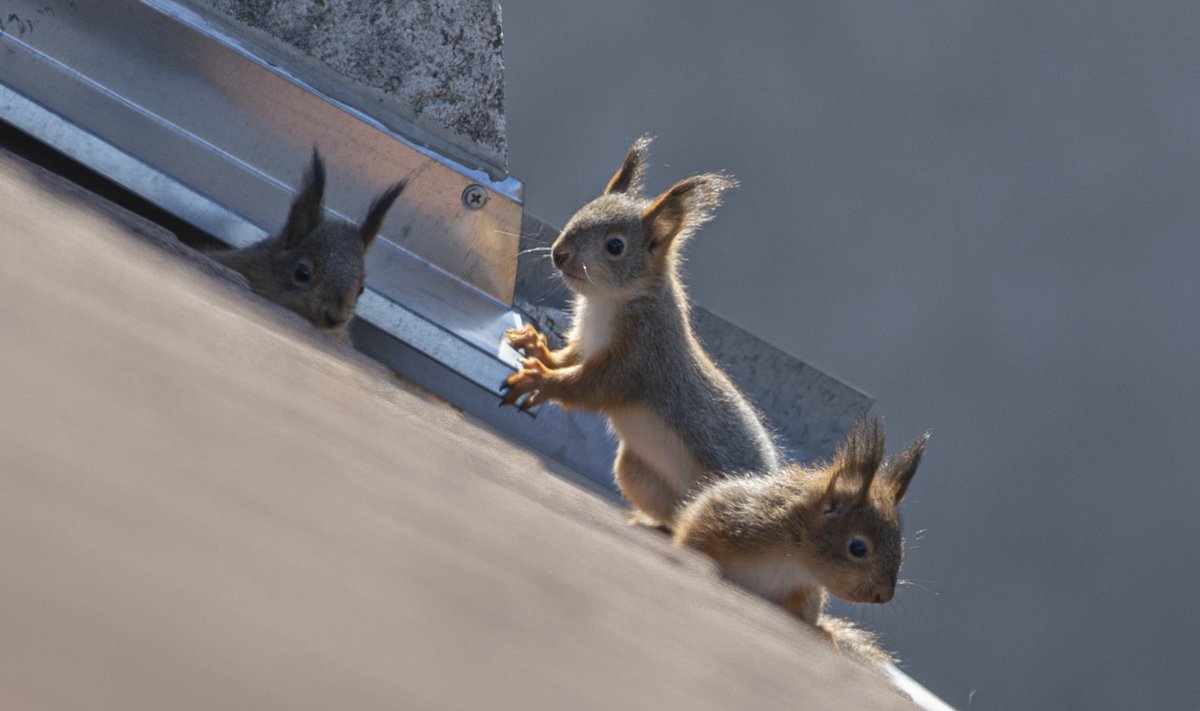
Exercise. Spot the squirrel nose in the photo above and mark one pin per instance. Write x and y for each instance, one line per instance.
(561, 256)
(884, 595)
(333, 315)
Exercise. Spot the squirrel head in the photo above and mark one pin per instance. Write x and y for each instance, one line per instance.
(316, 265)
(622, 243)
(853, 526)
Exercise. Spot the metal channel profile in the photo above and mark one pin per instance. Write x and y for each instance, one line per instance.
(155, 98)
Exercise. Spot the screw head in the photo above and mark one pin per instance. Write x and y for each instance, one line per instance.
(475, 197)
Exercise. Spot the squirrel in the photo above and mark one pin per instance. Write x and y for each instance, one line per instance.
(313, 266)
(793, 533)
(631, 352)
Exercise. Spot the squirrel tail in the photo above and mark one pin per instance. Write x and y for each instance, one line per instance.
(855, 642)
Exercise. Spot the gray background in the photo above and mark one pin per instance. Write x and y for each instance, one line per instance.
(985, 215)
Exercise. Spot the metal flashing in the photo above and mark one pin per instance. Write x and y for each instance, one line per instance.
(158, 100)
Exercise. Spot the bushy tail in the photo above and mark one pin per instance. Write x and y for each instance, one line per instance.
(855, 642)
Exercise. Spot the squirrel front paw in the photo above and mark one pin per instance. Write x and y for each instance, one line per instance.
(525, 381)
(529, 341)
(524, 337)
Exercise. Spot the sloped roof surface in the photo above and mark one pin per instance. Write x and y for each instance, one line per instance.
(205, 506)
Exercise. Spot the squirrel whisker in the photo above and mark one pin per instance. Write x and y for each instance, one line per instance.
(915, 584)
(903, 609)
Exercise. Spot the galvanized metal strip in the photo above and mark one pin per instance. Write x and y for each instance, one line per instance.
(194, 107)
(478, 366)
(406, 297)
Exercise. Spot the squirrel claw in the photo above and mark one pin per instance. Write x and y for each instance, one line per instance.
(531, 372)
(509, 395)
(528, 403)
(524, 382)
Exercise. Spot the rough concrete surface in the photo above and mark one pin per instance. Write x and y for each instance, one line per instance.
(204, 506)
(437, 61)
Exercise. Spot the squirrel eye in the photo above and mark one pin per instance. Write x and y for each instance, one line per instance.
(615, 246)
(858, 548)
(303, 272)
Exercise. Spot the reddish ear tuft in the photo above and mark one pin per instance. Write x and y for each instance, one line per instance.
(900, 470)
(859, 458)
(628, 178)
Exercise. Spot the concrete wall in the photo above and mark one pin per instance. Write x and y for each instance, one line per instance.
(435, 62)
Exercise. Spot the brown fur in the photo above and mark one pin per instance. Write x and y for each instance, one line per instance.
(788, 534)
(631, 352)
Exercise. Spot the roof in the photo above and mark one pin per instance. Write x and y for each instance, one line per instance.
(208, 506)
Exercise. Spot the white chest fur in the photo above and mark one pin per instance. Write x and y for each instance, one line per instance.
(594, 323)
(772, 577)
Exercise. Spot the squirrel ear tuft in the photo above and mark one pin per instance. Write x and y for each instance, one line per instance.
(306, 211)
(683, 208)
(901, 468)
(628, 178)
(860, 456)
(833, 500)
(372, 223)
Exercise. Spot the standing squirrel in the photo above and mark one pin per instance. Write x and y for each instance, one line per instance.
(631, 352)
(313, 266)
(794, 532)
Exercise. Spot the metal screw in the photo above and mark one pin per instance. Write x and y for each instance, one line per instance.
(475, 197)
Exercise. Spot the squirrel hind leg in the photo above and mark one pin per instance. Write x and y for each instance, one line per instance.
(652, 497)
